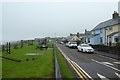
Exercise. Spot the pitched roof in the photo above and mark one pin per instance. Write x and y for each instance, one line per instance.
(107, 23)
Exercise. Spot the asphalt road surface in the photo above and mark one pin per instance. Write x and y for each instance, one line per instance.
(96, 66)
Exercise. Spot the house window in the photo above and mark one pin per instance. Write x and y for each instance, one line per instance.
(101, 40)
(88, 40)
(110, 28)
(100, 30)
(116, 39)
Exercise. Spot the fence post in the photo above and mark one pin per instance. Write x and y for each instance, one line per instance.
(9, 47)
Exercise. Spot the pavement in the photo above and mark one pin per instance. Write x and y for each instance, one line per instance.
(115, 56)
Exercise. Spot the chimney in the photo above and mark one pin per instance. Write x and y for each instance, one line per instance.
(78, 34)
(115, 15)
(70, 34)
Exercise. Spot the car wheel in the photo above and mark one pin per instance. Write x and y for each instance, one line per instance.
(78, 50)
(81, 50)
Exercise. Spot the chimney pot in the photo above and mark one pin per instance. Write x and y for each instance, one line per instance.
(115, 15)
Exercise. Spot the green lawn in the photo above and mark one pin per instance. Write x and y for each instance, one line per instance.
(65, 70)
(41, 67)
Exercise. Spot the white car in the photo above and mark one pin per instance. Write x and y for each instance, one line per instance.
(72, 45)
(67, 44)
(85, 48)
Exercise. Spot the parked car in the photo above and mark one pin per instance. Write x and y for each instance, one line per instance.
(73, 45)
(85, 48)
(67, 44)
(61, 42)
(43, 46)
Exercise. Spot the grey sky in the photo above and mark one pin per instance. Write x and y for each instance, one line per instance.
(42, 19)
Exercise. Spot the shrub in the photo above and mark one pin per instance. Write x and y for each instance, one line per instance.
(118, 44)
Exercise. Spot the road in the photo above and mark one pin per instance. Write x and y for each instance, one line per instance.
(96, 66)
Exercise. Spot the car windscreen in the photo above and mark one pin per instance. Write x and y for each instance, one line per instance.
(85, 46)
(73, 43)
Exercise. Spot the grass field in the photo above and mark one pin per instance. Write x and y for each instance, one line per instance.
(41, 67)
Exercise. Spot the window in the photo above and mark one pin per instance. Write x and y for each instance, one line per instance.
(100, 30)
(88, 40)
(110, 28)
(101, 40)
(116, 39)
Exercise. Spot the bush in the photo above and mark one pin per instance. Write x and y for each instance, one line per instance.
(118, 44)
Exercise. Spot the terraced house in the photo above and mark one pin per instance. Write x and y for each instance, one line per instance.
(106, 33)
(113, 30)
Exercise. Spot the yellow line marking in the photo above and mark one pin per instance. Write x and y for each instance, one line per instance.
(76, 71)
(81, 72)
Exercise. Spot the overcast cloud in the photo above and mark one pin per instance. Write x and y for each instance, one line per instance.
(24, 20)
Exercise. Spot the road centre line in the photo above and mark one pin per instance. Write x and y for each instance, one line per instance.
(76, 65)
(102, 77)
(116, 62)
(108, 63)
(105, 65)
(117, 74)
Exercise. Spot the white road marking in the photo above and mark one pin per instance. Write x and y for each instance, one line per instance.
(116, 62)
(117, 74)
(106, 65)
(102, 77)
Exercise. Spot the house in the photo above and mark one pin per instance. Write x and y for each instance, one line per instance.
(93, 39)
(73, 38)
(113, 30)
(85, 36)
(101, 35)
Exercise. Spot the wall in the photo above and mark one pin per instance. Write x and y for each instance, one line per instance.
(95, 40)
(102, 34)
